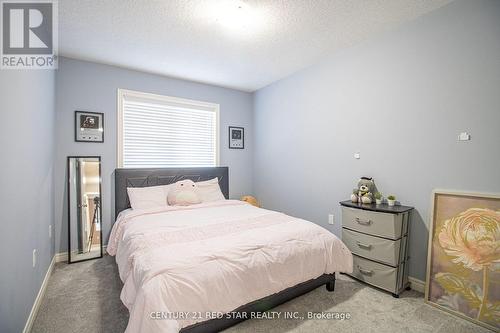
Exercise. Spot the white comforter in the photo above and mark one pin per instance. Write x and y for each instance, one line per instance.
(179, 265)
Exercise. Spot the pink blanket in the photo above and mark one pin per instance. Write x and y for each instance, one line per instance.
(182, 265)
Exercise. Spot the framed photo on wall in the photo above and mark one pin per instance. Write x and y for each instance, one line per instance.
(463, 263)
(236, 137)
(89, 126)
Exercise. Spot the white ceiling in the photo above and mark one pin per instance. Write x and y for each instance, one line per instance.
(190, 39)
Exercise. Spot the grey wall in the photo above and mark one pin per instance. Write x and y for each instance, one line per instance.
(26, 191)
(400, 100)
(93, 87)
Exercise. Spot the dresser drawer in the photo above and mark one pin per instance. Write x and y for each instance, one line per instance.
(379, 275)
(373, 223)
(371, 247)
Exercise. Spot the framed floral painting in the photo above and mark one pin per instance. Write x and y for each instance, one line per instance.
(463, 264)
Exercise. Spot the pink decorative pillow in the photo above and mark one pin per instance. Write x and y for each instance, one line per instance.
(184, 193)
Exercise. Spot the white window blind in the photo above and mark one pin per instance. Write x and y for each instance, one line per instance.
(162, 131)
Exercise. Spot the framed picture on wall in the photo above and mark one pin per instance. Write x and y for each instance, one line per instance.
(89, 126)
(236, 137)
(463, 263)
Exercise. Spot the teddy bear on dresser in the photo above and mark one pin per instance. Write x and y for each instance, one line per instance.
(364, 192)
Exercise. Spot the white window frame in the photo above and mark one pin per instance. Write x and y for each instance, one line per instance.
(187, 103)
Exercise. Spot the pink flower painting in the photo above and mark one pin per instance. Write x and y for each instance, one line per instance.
(472, 238)
(465, 257)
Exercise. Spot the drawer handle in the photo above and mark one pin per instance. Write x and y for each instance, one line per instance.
(363, 222)
(366, 246)
(365, 271)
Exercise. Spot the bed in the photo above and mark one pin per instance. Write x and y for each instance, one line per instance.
(206, 267)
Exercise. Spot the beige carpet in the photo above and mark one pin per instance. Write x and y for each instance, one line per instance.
(85, 297)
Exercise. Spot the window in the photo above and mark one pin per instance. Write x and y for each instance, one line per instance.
(162, 131)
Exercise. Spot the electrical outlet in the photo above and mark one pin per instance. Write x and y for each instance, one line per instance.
(34, 258)
(331, 219)
(50, 230)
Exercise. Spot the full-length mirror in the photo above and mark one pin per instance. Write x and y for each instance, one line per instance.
(84, 208)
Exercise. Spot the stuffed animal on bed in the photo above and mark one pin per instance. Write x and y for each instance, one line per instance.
(184, 193)
(364, 192)
(251, 200)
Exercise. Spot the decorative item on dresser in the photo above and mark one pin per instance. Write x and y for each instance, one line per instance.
(377, 236)
(391, 200)
(364, 192)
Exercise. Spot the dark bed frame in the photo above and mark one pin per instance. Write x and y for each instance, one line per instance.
(145, 177)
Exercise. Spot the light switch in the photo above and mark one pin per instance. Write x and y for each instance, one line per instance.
(357, 155)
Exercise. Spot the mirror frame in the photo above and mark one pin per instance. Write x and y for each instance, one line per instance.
(68, 183)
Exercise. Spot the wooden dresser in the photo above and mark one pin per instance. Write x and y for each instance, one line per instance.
(377, 236)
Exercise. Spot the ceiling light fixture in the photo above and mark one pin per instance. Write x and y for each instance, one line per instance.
(234, 15)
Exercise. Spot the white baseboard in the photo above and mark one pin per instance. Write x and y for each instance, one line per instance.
(63, 256)
(39, 297)
(58, 257)
(416, 284)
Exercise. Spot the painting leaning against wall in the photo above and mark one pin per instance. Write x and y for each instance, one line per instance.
(463, 266)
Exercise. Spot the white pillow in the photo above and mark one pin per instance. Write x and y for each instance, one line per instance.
(209, 190)
(148, 197)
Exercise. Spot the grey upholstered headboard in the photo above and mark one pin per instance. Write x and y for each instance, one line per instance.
(144, 177)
